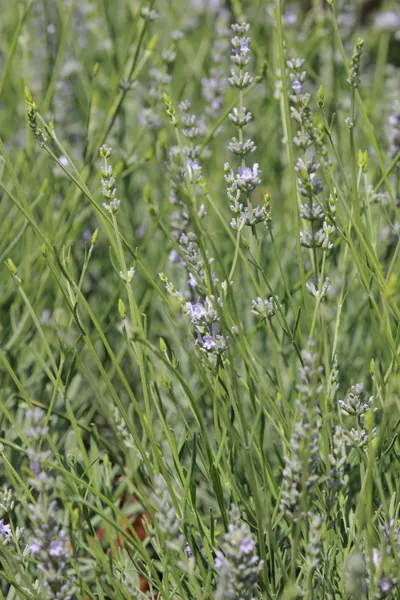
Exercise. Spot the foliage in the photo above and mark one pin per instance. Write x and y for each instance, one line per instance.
(199, 309)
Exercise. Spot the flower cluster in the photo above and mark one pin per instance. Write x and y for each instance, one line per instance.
(385, 575)
(149, 119)
(357, 405)
(51, 549)
(183, 175)
(337, 459)
(50, 546)
(319, 239)
(239, 57)
(313, 548)
(238, 566)
(194, 263)
(244, 181)
(180, 226)
(5, 533)
(383, 570)
(204, 318)
(192, 128)
(309, 133)
(37, 455)
(108, 188)
(149, 14)
(301, 104)
(319, 289)
(299, 474)
(310, 372)
(265, 308)
(320, 229)
(128, 276)
(358, 437)
(6, 506)
(309, 185)
(245, 178)
(189, 256)
(6, 500)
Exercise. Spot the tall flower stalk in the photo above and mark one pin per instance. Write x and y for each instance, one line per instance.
(246, 178)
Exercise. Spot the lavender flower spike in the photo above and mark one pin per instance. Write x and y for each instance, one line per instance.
(238, 566)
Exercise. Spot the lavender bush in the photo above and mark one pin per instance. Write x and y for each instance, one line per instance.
(199, 309)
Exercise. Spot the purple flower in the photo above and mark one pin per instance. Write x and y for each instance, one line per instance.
(247, 545)
(238, 566)
(376, 558)
(35, 546)
(56, 548)
(87, 235)
(388, 21)
(193, 170)
(192, 281)
(247, 173)
(176, 35)
(297, 87)
(51, 548)
(246, 179)
(208, 342)
(219, 560)
(4, 529)
(290, 17)
(244, 46)
(35, 466)
(385, 585)
(197, 310)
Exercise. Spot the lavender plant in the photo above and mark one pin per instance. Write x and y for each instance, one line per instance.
(238, 566)
(180, 415)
